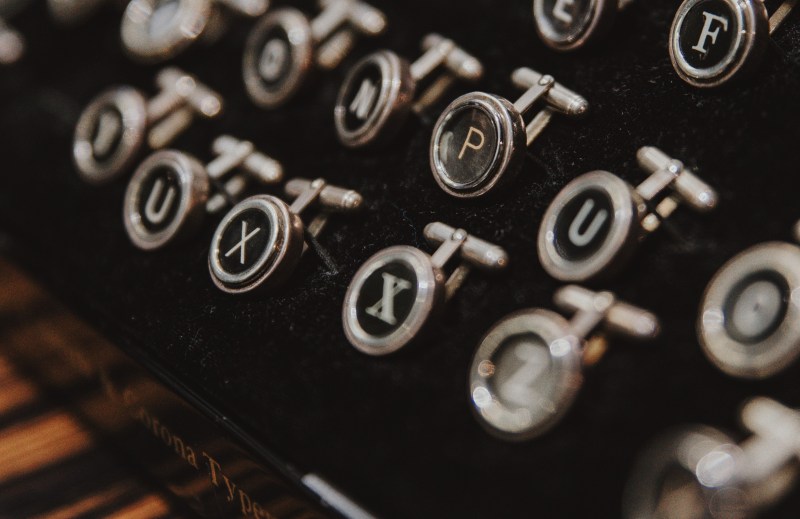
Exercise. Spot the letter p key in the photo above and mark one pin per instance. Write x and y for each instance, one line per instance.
(468, 141)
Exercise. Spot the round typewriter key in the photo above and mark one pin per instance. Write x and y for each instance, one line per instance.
(165, 198)
(750, 317)
(257, 243)
(525, 374)
(154, 30)
(713, 41)
(109, 134)
(476, 143)
(569, 24)
(277, 58)
(391, 299)
(689, 469)
(588, 227)
(374, 98)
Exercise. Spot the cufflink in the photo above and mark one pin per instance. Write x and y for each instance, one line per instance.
(69, 12)
(481, 139)
(702, 472)
(260, 241)
(157, 30)
(12, 44)
(595, 223)
(528, 368)
(285, 45)
(570, 24)
(715, 41)
(381, 89)
(397, 293)
(114, 127)
(749, 322)
(171, 191)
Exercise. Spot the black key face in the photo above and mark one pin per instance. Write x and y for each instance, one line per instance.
(584, 224)
(522, 371)
(468, 147)
(107, 133)
(565, 20)
(708, 34)
(756, 307)
(159, 198)
(387, 298)
(244, 241)
(363, 96)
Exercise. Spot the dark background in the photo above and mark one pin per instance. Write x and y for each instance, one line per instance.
(397, 433)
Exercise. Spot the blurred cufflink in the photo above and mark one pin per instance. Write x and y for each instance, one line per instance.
(480, 140)
(570, 24)
(12, 44)
(260, 241)
(171, 191)
(398, 292)
(157, 30)
(285, 45)
(702, 472)
(596, 222)
(381, 89)
(749, 322)
(113, 128)
(528, 368)
(714, 41)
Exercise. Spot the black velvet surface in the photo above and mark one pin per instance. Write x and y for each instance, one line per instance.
(397, 433)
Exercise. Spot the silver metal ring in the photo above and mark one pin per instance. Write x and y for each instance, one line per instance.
(290, 32)
(390, 107)
(510, 136)
(429, 286)
(621, 234)
(129, 106)
(749, 29)
(193, 188)
(153, 30)
(764, 356)
(595, 21)
(276, 259)
(549, 393)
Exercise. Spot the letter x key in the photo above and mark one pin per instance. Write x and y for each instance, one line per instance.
(243, 242)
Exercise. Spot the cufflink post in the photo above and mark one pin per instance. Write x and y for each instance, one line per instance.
(474, 252)
(557, 97)
(668, 173)
(336, 27)
(233, 153)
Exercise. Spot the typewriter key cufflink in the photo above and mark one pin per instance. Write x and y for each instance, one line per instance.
(113, 128)
(715, 41)
(12, 44)
(749, 322)
(157, 30)
(528, 368)
(480, 139)
(702, 472)
(597, 220)
(381, 89)
(285, 45)
(260, 241)
(570, 24)
(398, 292)
(170, 192)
